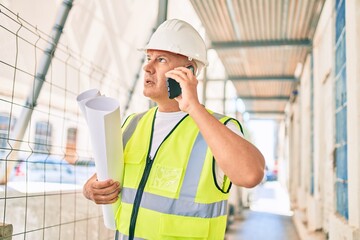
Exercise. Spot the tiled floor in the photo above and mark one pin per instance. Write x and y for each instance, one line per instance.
(269, 216)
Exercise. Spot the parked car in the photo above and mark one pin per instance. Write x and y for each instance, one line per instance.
(51, 168)
(271, 175)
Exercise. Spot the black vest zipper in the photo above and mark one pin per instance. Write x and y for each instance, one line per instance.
(141, 187)
(138, 197)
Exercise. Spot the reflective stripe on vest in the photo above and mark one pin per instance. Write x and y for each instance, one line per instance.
(192, 174)
(176, 206)
(131, 127)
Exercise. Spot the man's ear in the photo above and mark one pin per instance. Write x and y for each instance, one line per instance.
(195, 67)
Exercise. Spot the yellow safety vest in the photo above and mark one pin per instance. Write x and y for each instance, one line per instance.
(175, 194)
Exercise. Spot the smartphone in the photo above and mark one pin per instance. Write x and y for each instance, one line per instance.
(174, 89)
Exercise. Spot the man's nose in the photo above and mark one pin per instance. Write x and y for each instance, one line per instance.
(148, 67)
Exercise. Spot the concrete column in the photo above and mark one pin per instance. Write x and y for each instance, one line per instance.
(323, 45)
(305, 134)
(294, 154)
(353, 108)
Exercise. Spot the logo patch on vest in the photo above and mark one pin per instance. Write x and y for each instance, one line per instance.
(166, 178)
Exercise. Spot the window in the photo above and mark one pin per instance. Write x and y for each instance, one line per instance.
(42, 137)
(4, 131)
(70, 155)
(4, 125)
(312, 180)
(342, 203)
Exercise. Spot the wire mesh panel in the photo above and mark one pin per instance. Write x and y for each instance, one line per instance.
(43, 172)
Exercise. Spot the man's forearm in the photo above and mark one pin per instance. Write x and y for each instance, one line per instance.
(241, 161)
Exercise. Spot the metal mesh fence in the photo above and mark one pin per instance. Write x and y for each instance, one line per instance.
(43, 173)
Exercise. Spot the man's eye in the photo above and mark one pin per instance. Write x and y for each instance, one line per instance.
(148, 59)
(161, 59)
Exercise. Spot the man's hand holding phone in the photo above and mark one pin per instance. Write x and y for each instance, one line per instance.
(174, 89)
(187, 98)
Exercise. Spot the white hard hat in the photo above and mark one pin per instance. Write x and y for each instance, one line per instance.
(179, 37)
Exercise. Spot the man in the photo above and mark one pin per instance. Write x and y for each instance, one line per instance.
(180, 158)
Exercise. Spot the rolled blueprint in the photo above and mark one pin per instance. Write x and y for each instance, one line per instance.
(103, 119)
(83, 97)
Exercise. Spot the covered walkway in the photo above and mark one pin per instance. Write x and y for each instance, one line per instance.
(260, 225)
(269, 216)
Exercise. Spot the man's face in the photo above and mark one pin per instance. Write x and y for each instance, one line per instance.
(158, 63)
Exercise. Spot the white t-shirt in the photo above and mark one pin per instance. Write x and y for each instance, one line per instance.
(166, 121)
